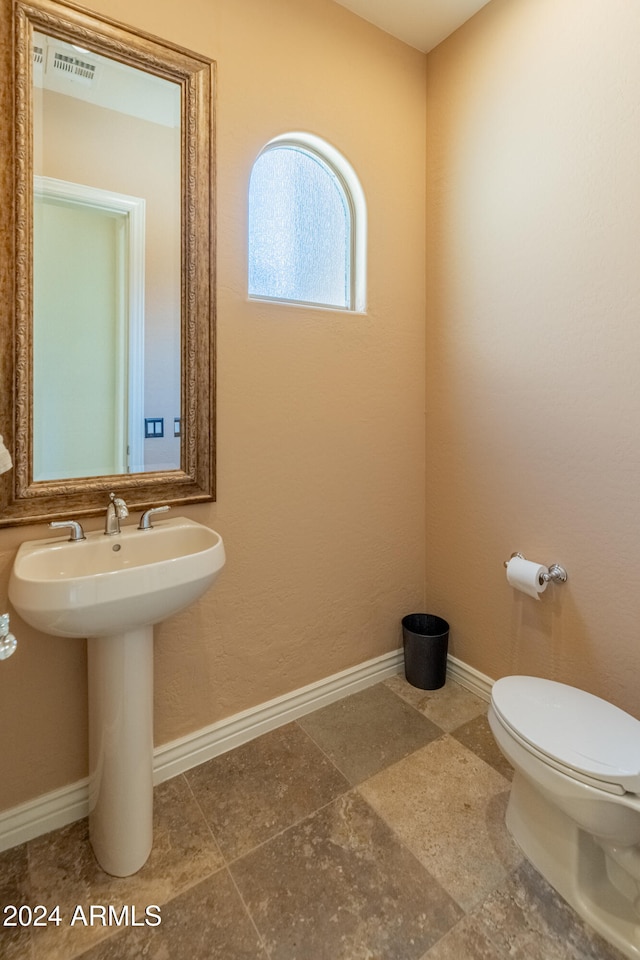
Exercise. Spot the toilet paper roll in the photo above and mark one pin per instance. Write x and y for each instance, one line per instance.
(526, 576)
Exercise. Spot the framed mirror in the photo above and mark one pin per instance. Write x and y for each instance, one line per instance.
(109, 348)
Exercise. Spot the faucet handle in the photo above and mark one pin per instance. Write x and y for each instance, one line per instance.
(119, 506)
(145, 519)
(76, 533)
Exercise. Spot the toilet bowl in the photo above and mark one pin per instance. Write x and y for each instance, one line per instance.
(574, 807)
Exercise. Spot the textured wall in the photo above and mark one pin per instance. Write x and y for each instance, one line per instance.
(320, 413)
(533, 339)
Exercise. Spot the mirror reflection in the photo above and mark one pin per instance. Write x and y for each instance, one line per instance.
(106, 265)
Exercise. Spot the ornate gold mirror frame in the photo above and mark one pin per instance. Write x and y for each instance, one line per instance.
(21, 499)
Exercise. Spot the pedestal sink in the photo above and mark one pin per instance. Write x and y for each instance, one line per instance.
(112, 589)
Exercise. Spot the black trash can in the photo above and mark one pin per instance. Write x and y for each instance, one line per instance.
(425, 639)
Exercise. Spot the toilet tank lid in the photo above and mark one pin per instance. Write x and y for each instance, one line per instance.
(572, 726)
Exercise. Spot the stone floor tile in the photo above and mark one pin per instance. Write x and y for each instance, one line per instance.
(466, 941)
(208, 922)
(260, 788)
(339, 886)
(477, 736)
(368, 731)
(449, 707)
(323, 875)
(64, 871)
(15, 942)
(448, 806)
(526, 918)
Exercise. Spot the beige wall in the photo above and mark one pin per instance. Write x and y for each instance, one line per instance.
(320, 413)
(533, 338)
(533, 393)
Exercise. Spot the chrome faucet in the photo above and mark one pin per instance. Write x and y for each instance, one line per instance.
(76, 533)
(145, 519)
(116, 511)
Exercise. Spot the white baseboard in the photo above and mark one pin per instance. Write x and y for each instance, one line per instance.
(61, 807)
(469, 677)
(173, 758)
(47, 812)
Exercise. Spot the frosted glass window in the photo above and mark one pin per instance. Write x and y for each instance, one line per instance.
(300, 226)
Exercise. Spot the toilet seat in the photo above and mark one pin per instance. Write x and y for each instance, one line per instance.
(583, 736)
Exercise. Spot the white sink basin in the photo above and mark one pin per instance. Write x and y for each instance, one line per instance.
(105, 585)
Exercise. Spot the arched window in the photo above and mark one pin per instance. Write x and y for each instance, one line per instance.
(307, 225)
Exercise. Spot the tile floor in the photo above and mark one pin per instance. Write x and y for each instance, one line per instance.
(372, 829)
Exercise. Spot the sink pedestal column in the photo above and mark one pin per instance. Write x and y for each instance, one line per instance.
(121, 749)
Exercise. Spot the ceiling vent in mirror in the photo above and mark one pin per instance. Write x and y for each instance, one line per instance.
(74, 67)
(38, 55)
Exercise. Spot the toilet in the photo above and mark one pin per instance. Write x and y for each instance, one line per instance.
(574, 807)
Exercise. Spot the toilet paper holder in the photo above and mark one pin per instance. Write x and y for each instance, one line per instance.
(555, 572)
